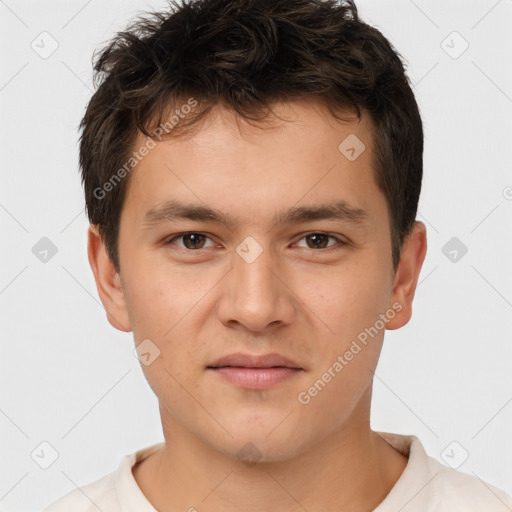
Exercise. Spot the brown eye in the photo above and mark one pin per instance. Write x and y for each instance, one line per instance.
(320, 241)
(190, 240)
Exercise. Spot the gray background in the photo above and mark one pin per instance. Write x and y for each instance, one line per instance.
(71, 380)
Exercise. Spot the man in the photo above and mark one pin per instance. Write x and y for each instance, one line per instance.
(252, 171)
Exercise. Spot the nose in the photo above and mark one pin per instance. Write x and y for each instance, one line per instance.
(256, 293)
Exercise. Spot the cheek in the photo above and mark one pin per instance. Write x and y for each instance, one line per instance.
(347, 311)
(158, 297)
(163, 305)
(344, 300)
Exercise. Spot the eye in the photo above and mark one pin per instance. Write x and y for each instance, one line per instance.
(192, 240)
(320, 239)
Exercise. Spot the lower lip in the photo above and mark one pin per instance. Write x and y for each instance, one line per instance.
(256, 378)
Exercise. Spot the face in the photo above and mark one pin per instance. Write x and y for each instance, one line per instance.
(265, 271)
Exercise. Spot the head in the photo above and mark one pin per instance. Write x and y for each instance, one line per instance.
(284, 138)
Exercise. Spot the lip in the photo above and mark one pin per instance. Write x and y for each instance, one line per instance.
(255, 361)
(255, 378)
(255, 372)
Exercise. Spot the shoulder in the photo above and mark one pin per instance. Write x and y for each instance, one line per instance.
(98, 495)
(427, 485)
(458, 491)
(112, 493)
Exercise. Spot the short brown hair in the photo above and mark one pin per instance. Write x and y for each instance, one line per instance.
(246, 55)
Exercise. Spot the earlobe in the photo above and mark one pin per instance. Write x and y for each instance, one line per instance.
(107, 280)
(406, 278)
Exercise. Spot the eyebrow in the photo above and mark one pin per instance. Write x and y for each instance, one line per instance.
(173, 210)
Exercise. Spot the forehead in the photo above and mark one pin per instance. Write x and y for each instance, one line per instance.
(301, 154)
(298, 119)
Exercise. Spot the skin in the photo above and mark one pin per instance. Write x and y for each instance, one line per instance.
(304, 302)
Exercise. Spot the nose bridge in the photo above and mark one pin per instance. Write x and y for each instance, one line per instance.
(256, 296)
(252, 266)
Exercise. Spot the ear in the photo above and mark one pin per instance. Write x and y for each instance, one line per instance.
(107, 280)
(407, 273)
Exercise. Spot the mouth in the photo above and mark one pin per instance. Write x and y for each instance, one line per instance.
(255, 372)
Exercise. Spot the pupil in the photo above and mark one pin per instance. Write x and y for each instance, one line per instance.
(193, 236)
(318, 238)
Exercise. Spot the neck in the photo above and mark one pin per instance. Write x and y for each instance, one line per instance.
(352, 470)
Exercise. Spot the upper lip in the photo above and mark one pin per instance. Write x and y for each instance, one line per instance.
(254, 361)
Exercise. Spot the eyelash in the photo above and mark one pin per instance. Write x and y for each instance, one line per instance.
(339, 245)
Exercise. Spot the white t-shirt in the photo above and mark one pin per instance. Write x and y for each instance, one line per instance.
(425, 485)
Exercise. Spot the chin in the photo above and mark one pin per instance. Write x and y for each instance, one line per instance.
(261, 446)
